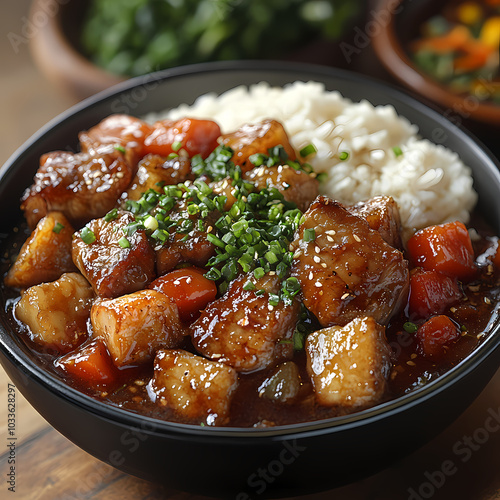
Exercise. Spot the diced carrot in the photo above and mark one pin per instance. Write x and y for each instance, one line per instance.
(192, 135)
(90, 364)
(436, 334)
(445, 248)
(431, 293)
(190, 290)
(476, 56)
(456, 39)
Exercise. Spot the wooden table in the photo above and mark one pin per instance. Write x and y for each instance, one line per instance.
(50, 467)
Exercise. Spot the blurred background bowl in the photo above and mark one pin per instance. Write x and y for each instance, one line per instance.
(399, 22)
(85, 46)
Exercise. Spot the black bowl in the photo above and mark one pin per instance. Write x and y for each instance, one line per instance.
(245, 463)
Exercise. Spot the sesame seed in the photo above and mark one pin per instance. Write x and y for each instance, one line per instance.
(318, 284)
(330, 239)
(137, 399)
(321, 292)
(357, 238)
(487, 300)
(119, 175)
(272, 273)
(413, 356)
(311, 275)
(270, 307)
(316, 259)
(331, 232)
(344, 296)
(140, 383)
(317, 249)
(297, 254)
(453, 309)
(410, 363)
(209, 229)
(323, 265)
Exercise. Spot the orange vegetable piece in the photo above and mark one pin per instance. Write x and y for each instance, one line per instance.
(190, 290)
(456, 39)
(445, 248)
(431, 293)
(90, 364)
(436, 334)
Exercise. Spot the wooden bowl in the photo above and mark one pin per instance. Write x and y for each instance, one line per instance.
(395, 24)
(55, 49)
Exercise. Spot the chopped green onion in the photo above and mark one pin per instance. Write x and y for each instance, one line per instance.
(119, 147)
(124, 242)
(309, 235)
(397, 151)
(176, 146)
(249, 286)
(151, 223)
(58, 227)
(111, 215)
(308, 150)
(87, 235)
(344, 155)
(410, 327)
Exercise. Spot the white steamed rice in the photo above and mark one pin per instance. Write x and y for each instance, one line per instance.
(429, 182)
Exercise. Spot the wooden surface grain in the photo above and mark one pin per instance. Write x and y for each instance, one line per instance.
(49, 467)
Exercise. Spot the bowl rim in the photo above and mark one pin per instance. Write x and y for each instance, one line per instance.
(10, 349)
(392, 55)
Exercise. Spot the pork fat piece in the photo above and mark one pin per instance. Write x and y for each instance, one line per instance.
(243, 330)
(195, 388)
(56, 313)
(45, 255)
(135, 326)
(349, 365)
(346, 270)
(115, 264)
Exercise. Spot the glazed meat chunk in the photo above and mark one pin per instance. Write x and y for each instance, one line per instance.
(295, 185)
(82, 186)
(382, 215)
(196, 388)
(155, 171)
(242, 329)
(346, 270)
(45, 255)
(56, 313)
(118, 129)
(256, 138)
(186, 246)
(135, 326)
(349, 365)
(114, 263)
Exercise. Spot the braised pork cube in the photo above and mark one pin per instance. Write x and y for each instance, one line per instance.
(346, 269)
(115, 264)
(119, 130)
(295, 185)
(136, 325)
(187, 242)
(196, 388)
(349, 365)
(256, 138)
(382, 215)
(242, 329)
(155, 171)
(81, 186)
(56, 313)
(45, 255)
